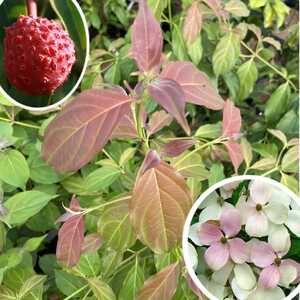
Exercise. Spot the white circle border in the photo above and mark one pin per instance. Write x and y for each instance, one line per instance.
(60, 102)
(193, 210)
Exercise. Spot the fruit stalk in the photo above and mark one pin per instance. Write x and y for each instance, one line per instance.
(31, 8)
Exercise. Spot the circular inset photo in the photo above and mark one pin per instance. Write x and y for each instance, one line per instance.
(44, 49)
(242, 240)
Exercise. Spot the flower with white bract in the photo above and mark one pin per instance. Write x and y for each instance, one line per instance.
(267, 206)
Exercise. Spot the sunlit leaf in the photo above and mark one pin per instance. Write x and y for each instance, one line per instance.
(30, 284)
(159, 206)
(193, 23)
(279, 135)
(247, 151)
(196, 85)
(170, 96)
(101, 290)
(84, 126)
(147, 39)
(70, 238)
(162, 285)
(264, 164)
(126, 127)
(237, 8)
(290, 161)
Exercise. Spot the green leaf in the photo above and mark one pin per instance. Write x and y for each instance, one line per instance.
(247, 74)
(13, 168)
(89, 264)
(101, 290)
(101, 178)
(216, 173)
(226, 53)
(31, 284)
(33, 243)
(133, 282)
(257, 3)
(289, 123)
(157, 7)
(247, 151)
(40, 172)
(290, 161)
(266, 150)
(195, 50)
(277, 104)
(178, 44)
(237, 8)
(24, 205)
(264, 164)
(7, 294)
(291, 182)
(279, 135)
(68, 283)
(115, 227)
(211, 131)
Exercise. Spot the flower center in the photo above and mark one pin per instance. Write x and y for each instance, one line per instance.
(258, 207)
(277, 261)
(223, 240)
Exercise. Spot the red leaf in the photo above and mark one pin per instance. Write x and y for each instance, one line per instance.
(147, 39)
(82, 129)
(235, 152)
(159, 120)
(151, 160)
(195, 84)
(193, 23)
(232, 120)
(177, 147)
(170, 96)
(70, 239)
(91, 243)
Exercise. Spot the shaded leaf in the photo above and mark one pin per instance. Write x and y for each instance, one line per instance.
(232, 120)
(159, 206)
(151, 160)
(162, 285)
(235, 152)
(68, 283)
(133, 282)
(101, 290)
(193, 23)
(226, 53)
(82, 129)
(70, 238)
(114, 225)
(177, 147)
(170, 96)
(195, 84)
(147, 39)
(158, 121)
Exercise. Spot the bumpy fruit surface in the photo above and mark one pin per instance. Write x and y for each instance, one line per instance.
(38, 55)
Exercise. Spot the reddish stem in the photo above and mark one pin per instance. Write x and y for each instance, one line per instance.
(31, 8)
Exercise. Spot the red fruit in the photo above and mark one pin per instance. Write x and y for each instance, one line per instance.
(38, 55)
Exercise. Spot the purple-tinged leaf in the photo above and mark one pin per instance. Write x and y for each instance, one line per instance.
(91, 243)
(217, 7)
(236, 154)
(74, 206)
(170, 96)
(195, 84)
(126, 128)
(147, 39)
(232, 120)
(158, 121)
(70, 238)
(192, 285)
(193, 23)
(82, 129)
(177, 147)
(151, 160)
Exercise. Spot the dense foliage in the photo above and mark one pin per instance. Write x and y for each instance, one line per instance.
(212, 94)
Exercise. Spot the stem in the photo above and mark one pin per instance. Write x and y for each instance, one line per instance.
(269, 65)
(270, 172)
(32, 8)
(19, 123)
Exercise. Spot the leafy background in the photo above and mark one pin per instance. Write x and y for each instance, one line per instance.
(261, 79)
(63, 11)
